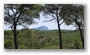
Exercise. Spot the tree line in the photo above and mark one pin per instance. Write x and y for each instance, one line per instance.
(24, 14)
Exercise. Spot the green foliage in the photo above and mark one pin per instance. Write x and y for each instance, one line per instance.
(21, 13)
(8, 44)
(33, 39)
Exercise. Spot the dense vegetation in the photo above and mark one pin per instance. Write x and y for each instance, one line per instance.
(33, 39)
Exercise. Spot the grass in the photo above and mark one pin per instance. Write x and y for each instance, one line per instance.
(33, 39)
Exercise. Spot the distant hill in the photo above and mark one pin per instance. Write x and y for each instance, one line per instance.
(41, 28)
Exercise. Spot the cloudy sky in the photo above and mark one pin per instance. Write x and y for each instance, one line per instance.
(41, 22)
(51, 25)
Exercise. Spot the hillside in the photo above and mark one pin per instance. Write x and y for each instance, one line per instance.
(34, 39)
(41, 28)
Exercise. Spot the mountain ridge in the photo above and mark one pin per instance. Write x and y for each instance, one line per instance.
(41, 28)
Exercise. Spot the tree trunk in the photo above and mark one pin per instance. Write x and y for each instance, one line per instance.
(82, 38)
(15, 36)
(60, 36)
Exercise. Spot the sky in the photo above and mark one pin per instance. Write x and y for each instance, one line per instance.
(41, 22)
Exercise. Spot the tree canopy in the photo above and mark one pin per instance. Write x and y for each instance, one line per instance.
(22, 13)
